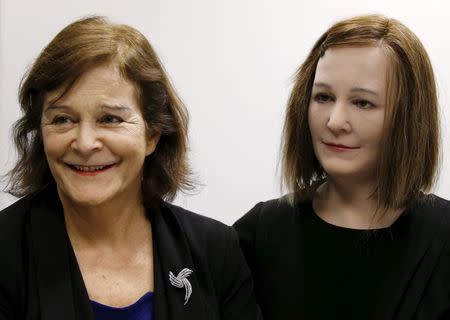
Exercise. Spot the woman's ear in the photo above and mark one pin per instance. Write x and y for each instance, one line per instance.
(153, 137)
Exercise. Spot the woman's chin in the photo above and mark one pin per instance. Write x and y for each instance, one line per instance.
(90, 201)
(86, 199)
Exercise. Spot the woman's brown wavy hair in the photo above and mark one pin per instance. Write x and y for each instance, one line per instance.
(77, 48)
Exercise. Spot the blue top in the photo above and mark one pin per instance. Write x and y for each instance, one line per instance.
(140, 310)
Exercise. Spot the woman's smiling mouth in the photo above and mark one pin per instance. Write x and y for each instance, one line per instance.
(339, 147)
(89, 170)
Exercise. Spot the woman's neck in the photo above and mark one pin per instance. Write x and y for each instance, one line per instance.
(352, 204)
(108, 225)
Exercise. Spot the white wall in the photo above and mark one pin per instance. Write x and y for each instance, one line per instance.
(232, 63)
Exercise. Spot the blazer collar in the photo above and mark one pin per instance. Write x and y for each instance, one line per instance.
(62, 293)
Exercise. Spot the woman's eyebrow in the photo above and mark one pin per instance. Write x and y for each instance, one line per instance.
(322, 85)
(119, 108)
(364, 90)
(109, 107)
(51, 107)
(356, 89)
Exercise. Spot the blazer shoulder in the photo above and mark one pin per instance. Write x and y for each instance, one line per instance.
(209, 240)
(13, 262)
(269, 214)
(206, 236)
(13, 224)
(13, 219)
(195, 223)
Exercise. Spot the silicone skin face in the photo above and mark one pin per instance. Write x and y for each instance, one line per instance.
(346, 111)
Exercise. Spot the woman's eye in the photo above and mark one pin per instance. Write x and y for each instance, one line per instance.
(61, 120)
(323, 98)
(363, 104)
(110, 119)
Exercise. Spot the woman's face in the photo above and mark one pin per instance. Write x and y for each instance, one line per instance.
(95, 138)
(346, 111)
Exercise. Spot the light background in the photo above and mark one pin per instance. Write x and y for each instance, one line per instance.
(232, 63)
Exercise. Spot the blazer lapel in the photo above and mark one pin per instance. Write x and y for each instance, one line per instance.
(56, 270)
(49, 244)
(172, 254)
(83, 309)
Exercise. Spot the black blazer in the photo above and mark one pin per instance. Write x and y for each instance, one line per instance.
(419, 288)
(40, 278)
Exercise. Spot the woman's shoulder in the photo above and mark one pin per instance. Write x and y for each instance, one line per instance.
(210, 241)
(195, 222)
(273, 213)
(434, 210)
(13, 224)
(205, 235)
(433, 213)
(434, 202)
(18, 211)
(13, 217)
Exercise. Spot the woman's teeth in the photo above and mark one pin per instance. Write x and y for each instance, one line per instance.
(89, 168)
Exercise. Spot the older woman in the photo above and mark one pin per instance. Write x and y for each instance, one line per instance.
(356, 238)
(102, 143)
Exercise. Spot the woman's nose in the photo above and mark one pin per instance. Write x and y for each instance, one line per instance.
(338, 120)
(87, 139)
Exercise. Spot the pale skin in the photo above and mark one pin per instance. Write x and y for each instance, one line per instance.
(96, 140)
(346, 117)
